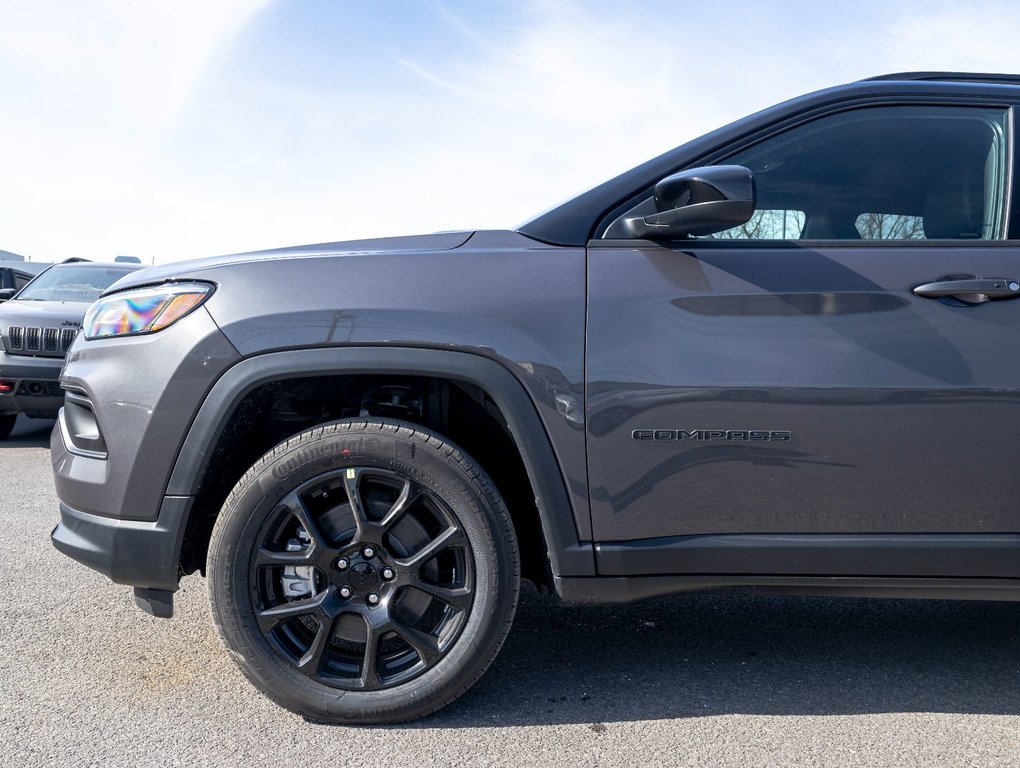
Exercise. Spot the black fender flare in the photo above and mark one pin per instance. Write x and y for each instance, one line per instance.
(568, 555)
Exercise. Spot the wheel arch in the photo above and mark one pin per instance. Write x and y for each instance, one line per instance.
(567, 554)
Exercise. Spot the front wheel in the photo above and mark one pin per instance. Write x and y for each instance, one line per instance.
(364, 572)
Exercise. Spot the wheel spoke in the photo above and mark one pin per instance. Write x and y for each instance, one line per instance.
(448, 538)
(409, 494)
(270, 617)
(424, 644)
(269, 558)
(300, 510)
(459, 598)
(351, 483)
(311, 662)
(370, 659)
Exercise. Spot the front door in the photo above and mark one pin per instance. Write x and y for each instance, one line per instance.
(778, 399)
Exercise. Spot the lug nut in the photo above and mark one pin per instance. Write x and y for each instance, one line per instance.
(388, 573)
(342, 564)
(373, 599)
(368, 552)
(345, 592)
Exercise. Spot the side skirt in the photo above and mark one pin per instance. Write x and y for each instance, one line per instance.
(609, 589)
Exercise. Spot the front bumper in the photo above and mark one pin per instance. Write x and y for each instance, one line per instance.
(36, 388)
(112, 460)
(142, 554)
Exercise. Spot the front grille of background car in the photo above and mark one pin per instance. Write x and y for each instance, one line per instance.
(44, 341)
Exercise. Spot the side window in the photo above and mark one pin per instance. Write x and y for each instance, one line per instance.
(880, 173)
(889, 226)
(768, 224)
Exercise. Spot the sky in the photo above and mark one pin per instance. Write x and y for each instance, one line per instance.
(173, 130)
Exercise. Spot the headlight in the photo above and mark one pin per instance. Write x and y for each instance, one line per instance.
(143, 310)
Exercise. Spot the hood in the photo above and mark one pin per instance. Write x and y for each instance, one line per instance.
(441, 241)
(43, 313)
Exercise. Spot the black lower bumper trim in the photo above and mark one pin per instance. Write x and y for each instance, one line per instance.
(32, 406)
(139, 553)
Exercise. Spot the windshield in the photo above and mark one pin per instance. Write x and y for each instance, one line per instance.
(71, 284)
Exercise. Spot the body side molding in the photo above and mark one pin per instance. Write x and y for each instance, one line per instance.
(907, 555)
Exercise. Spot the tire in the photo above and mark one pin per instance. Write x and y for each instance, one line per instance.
(7, 422)
(364, 572)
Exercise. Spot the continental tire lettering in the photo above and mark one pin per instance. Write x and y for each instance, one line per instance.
(325, 450)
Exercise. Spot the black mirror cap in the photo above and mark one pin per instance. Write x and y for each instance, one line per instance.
(698, 201)
(6, 293)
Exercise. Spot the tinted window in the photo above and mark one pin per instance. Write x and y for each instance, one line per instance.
(890, 173)
(889, 226)
(71, 283)
(768, 225)
(894, 173)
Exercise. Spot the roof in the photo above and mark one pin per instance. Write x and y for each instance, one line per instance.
(949, 77)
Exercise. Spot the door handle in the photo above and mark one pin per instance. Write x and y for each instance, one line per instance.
(971, 290)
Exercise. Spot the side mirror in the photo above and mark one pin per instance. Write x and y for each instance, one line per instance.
(6, 293)
(699, 201)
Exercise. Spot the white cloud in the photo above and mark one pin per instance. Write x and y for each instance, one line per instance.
(137, 132)
(89, 90)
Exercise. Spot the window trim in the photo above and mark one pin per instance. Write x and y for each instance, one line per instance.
(1011, 200)
(807, 245)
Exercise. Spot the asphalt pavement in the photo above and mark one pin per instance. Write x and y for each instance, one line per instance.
(86, 679)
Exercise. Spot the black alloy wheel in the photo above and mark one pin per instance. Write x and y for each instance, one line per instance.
(377, 587)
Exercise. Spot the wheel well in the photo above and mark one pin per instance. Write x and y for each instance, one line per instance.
(461, 412)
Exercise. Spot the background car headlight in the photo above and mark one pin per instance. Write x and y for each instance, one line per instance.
(143, 310)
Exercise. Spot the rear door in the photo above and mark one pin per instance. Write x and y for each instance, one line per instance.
(777, 398)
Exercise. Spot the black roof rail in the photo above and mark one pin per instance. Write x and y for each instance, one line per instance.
(951, 77)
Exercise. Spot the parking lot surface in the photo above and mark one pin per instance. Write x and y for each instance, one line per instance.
(734, 680)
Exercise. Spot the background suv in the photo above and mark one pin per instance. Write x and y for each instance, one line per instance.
(37, 326)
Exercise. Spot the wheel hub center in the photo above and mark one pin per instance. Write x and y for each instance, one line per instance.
(363, 577)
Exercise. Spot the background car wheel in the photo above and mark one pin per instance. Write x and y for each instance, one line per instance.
(7, 422)
(364, 572)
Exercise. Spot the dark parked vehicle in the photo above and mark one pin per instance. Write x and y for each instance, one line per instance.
(14, 275)
(783, 356)
(37, 326)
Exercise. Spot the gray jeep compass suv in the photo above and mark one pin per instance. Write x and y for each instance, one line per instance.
(783, 356)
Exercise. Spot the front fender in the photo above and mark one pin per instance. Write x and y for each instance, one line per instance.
(569, 555)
